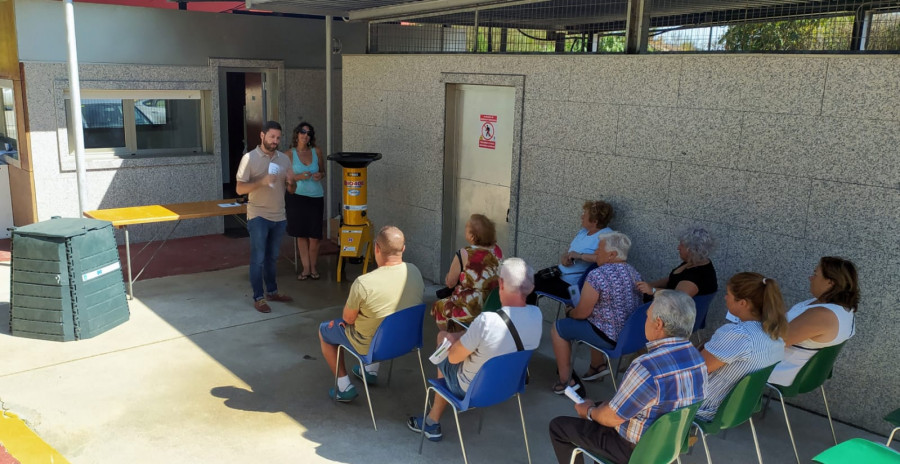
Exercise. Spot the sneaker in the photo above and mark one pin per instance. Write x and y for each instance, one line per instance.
(432, 432)
(262, 306)
(370, 379)
(345, 396)
(279, 297)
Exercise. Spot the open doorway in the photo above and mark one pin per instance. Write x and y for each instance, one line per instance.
(245, 113)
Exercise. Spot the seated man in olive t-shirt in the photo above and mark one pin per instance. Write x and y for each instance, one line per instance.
(392, 287)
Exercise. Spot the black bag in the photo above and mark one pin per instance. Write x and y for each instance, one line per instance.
(549, 273)
(446, 292)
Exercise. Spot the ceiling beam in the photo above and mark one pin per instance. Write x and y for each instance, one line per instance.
(429, 7)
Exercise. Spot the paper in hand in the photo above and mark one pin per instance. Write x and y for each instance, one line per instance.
(570, 392)
(441, 353)
(274, 169)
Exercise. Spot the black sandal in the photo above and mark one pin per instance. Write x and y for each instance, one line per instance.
(560, 387)
(595, 372)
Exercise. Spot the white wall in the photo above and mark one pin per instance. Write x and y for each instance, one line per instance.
(120, 34)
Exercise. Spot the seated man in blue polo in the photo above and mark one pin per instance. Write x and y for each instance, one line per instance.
(672, 375)
(394, 286)
(487, 337)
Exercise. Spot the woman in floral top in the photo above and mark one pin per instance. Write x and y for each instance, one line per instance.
(608, 298)
(474, 273)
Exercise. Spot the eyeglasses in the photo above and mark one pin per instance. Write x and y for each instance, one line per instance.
(307, 131)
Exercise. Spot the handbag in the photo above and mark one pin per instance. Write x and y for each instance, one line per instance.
(549, 273)
(446, 292)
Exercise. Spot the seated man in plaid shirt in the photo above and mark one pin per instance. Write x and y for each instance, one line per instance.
(670, 376)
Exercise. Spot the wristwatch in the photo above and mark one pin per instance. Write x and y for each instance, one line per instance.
(589, 415)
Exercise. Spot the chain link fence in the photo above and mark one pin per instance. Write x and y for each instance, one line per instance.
(676, 26)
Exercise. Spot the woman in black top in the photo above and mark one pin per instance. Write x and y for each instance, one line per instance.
(696, 274)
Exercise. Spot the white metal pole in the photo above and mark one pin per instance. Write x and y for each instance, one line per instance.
(75, 96)
(329, 139)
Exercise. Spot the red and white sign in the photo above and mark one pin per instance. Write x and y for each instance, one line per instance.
(488, 137)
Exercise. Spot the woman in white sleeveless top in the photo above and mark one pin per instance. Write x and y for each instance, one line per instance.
(823, 321)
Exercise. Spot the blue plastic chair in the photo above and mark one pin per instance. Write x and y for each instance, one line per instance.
(702, 303)
(498, 379)
(397, 335)
(563, 302)
(631, 339)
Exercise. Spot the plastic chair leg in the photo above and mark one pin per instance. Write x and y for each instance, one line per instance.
(705, 447)
(891, 438)
(424, 415)
(336, 364)
(362, 370)
(390, 371)
(612, 373)
(575, 453)
(756, 441)
(787, 422)
(828, 412)
(459, 431)
(524, 432)
(422, 369)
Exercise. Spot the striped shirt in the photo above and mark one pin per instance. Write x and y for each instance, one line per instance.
(670, 376)
(744, 348)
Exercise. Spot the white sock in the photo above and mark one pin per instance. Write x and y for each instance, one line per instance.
(343, 383)
(373, 368)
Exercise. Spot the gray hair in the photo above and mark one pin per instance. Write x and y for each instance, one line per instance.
(698, 242)
(618, 242)
(517, 275)
(677, 312)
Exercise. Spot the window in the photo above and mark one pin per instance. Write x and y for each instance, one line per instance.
(9, 135)
(140, 123)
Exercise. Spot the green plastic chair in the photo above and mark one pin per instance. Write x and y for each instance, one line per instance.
(738, 407)
(811, 376)
(858, 450)
(894, 418)
(491, 304)
(661, 443)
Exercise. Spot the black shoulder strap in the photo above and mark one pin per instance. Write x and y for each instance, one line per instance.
(512, 329)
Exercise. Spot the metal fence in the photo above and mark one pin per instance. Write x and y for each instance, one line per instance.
(598, 26)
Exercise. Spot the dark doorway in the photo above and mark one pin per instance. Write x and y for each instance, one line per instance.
(246, 108)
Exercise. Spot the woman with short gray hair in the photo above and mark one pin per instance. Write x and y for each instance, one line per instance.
(608, 298)
(696, 274)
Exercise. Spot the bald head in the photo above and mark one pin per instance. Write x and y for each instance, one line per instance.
(391, 241)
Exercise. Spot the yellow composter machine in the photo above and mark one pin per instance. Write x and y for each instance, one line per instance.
(356, 232)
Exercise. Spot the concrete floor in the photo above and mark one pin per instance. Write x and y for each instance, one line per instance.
(197, 375)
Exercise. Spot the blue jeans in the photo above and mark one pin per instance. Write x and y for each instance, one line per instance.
(265, 244)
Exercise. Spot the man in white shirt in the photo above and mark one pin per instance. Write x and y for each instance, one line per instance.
(487, 337)
(262, 175)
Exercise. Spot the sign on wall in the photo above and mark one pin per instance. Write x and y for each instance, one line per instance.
(488, 137)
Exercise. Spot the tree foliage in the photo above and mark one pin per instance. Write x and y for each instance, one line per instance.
(799, 34)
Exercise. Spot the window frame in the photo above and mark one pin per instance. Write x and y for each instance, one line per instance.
(128, 99)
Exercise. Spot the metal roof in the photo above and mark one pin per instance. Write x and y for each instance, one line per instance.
(565, 14)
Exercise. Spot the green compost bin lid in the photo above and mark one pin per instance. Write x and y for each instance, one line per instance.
(61, 227)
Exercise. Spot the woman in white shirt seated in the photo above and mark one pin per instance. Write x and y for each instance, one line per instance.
(556, 280)
(751, 344)
(825, 320)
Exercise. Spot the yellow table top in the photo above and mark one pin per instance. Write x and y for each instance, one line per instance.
(161, 213)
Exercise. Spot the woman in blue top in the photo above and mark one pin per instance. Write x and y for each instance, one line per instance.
(305, 206)
(556, 280)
